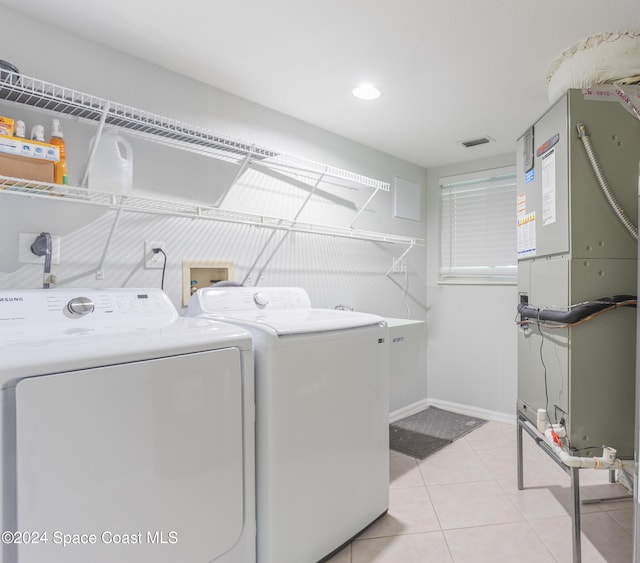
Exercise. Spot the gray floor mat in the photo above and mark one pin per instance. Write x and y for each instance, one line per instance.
(424, 433)
(413, 443)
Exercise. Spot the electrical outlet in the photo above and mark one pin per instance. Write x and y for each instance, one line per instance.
(398, 265)
(153, 260)
(25, 256)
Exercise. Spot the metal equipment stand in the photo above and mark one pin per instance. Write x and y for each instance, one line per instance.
(523, 424)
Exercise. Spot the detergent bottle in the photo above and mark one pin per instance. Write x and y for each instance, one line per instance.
(60, 167)
(111, 168)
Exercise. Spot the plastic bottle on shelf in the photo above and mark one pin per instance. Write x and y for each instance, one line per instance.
(112, 164)
(60, 167)
(37, 133)
(20, 129)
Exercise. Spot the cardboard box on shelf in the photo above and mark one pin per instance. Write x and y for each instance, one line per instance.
(26, 167)
(6, 126)
(33, 149)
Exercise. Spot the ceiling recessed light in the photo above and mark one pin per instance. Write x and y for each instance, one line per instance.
(366, 92)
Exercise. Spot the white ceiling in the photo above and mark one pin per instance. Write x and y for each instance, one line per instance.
(449, 71)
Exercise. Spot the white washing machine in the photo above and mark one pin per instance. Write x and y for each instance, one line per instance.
(322, 434)
(127, 431)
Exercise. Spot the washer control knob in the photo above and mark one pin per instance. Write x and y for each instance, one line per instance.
(261, 300)
(80, 306)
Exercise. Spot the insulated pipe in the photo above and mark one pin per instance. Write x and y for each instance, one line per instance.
(583, 134)
(577, 313)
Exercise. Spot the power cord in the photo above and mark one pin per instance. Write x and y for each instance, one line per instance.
(164, 264)
(544, 366)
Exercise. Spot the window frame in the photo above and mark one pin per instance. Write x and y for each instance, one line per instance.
(505, 272)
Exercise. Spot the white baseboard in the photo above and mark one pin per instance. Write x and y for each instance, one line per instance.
(473, 411)
(459, 408)
(413, 408)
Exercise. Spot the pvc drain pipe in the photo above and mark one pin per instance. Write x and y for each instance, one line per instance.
(553, 432)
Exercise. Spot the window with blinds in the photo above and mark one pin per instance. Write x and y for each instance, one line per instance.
(478, 227)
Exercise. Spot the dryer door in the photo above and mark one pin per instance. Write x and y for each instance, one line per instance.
(133, 462)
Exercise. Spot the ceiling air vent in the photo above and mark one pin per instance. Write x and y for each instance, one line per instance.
(475, 142)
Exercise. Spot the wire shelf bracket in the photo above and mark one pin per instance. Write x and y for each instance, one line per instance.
(137, 204)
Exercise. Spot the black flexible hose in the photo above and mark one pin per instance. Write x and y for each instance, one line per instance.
(575, 314)
(42, 246)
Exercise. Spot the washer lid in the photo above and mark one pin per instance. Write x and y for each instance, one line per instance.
(277, 310)
(282, 322)
(223, 299)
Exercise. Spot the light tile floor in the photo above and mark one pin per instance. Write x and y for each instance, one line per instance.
(462, 505)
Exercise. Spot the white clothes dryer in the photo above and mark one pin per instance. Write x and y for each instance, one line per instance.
(127, 431)
(322, 434)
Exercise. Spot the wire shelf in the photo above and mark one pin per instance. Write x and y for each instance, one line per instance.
(137, 204)
(37, 93)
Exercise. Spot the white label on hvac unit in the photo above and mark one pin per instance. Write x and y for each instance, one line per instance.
(629, 97)
(527, 235)
(549, 188)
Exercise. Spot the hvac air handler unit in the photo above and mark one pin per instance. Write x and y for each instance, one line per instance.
(577, 217)
(577, 251)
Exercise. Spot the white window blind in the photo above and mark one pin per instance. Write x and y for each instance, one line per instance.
(478, 227)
